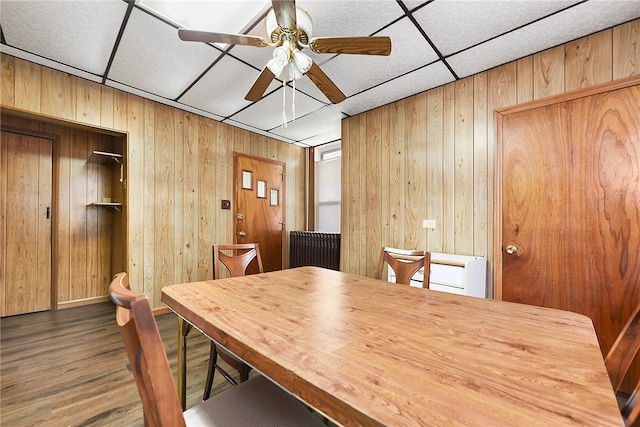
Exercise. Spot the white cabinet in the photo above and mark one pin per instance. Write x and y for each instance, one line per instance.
(456, 274)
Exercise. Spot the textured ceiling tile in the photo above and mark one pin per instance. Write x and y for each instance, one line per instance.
(258, 131)
(568, 25)
(267, 113)
(223, 88)
(409, 50)
(221, 16)
(152, 57)
(457, 25)
(421, 80)
(316, 123)
(80, 34)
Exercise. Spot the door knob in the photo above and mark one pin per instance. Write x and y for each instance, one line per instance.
(239, 216)
(242, 234)
(511, 249)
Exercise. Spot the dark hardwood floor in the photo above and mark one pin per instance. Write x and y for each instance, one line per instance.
(69, 368)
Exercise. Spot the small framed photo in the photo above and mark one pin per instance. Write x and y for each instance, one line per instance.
(261, 189)
(247, 180)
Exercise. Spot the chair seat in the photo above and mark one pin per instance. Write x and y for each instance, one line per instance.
(255, 402)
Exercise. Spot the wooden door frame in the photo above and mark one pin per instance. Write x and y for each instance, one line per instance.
(55, 146)
(497, 193)
(123, 138)
(283, 198)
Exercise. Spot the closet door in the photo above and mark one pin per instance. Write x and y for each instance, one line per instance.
(570, 217)
(25, 221)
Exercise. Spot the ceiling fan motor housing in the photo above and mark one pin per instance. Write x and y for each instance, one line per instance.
(302, 33)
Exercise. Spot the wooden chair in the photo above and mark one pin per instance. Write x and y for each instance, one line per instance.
(236, 258)
(619, 360)
(255, 402)
(405, 263)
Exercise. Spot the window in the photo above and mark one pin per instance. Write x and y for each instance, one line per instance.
(328, 167)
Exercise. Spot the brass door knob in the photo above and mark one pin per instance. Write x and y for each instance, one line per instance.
(242, 234)
(511, 249)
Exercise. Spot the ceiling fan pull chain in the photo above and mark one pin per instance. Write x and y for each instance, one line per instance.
(293, 102)
(284, 114)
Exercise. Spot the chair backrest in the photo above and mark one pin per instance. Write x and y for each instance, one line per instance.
(149, 363)
(238, 260)
(405, 263)
(619, 360)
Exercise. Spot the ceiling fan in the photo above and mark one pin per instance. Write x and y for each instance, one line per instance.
(289, 29)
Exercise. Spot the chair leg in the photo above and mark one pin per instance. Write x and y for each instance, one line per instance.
(213, 358)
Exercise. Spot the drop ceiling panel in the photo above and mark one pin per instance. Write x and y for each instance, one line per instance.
(222, 90)
(409, 50)
(457, 25)
(80, 34)
(258, 131)
(562, 27)
(151, 57)
(316, 123)
(267, 113)
(418, 81)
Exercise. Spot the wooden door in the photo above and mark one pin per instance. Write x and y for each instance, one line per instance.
(570, 216)
(25, 208)
(260, 207)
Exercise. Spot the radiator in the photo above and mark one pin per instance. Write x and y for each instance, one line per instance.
(314, 248)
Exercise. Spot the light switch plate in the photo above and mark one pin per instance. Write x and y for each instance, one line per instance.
(429, 223)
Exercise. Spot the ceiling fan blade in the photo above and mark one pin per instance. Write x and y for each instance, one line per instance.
(207, 37)
(260, 85)
(352, 45)
(324, 83)
(285, 11)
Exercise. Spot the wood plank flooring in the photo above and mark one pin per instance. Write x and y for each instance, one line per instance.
(69, 368)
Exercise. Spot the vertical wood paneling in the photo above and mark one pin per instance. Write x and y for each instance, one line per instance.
(149, 202)
(164, 187)
(190, 198)
(385, 176)
(626, 49)
(63, 210)
(481, 218)
(397, 181)
(133, 120)
(463, 167)
(58, 94)
(448, 159)
(373, 189)
(92, 222)
(548, 72)
(435, 169)
(588, 61)
(415, 163)
(27, 95)
(525, 79)
(78, 215)
(206, 188)
(361, 232)
(180, 213)
(7, 86)
(88, 104)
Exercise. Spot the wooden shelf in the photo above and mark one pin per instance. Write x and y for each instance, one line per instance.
(105, 158)
(110, 206)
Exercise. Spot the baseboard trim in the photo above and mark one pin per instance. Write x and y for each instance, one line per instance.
(82, 302)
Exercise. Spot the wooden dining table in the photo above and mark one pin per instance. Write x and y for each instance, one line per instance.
(363, 351)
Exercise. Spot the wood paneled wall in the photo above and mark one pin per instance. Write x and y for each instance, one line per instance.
(430, 156)
(179, 166)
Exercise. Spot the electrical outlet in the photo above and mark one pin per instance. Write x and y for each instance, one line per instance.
(429, 223)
